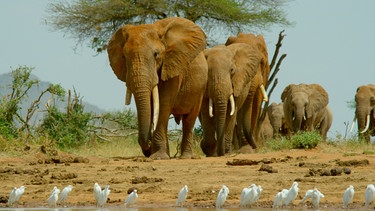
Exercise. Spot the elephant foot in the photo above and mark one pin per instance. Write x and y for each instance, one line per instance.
(246, 149)
(189, 155)
(160, 156)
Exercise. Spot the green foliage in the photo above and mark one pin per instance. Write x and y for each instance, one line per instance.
(94, 22)
(11, 121)
(276, 145)
(68, 129)
(198, 131)
(305, 140)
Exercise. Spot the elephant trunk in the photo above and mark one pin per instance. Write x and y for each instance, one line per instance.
(362, 119)
(298, 118)
(220, 125)
(143, 104)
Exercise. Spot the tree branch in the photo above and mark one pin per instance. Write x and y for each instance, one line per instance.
(278, 46)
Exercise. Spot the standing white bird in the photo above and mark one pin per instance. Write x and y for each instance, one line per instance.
(292, 194)
(132, 197)
(348, 196)
(280, 198)
(104, 195)
(259, 191)
(182, 195)
(309, 194)
(222, 196)
(65, 192)
(315, 199)
(15, 195)
(249, 195)
(244, 198)
(97, 191)
(54, 196)
(369, 194)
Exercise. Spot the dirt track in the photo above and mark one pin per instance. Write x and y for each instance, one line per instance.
(158, 182)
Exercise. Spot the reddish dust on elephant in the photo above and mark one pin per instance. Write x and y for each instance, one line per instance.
(159, 181)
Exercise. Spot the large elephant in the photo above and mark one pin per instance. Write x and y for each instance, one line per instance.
(276, 117)
(248, 116)
(365, 111)
(231, 70)
(163, 66)
(306, 108)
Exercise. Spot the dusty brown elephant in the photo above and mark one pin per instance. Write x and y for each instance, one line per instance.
(276, 117)
(230, 70)
(248, 115)
(365, 111)
(306, 108)
(163, 66)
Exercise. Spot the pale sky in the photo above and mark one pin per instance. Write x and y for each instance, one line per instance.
(332, 44)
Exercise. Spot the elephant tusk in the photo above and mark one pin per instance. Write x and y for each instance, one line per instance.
(155, 101)
(128, 96)
(210, 108)
(232, 105)
(265, 97)
(354, 119)
(367, 124)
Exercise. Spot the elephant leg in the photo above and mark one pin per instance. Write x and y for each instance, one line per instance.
(159, 143)
(188, 122)
(324, 129)
(229, 133)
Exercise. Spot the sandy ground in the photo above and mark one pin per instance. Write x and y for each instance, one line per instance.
(158, 182)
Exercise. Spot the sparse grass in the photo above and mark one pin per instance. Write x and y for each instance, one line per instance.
(128, 146)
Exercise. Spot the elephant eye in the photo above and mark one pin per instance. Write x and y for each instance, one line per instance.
(156, 54)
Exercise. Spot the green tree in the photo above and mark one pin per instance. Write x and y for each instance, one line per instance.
(11, 121)
(94, 21)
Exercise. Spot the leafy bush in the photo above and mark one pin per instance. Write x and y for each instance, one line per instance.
(305, 140)
(68, 129)
(276, 145)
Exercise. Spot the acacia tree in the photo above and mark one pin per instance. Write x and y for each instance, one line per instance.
(94, 21)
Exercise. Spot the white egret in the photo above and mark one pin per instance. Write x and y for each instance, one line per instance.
(369, 194)
(132, 197)
(12, 197)
(244, 198)
(222, 196)
(15, 195)
(104, 195)
(315, 200)
(310, 194)
(348, 196)
(182, 195)
(249, 195)
(97, 191)
(259, 191)
(54, 196)
(64, 193)
(279, 199)
(292, 194)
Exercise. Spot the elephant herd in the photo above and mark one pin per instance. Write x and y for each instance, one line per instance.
(169, 71)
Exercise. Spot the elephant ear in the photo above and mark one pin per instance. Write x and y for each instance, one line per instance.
(116, 54)
(318, 99)
(247, 60)
(287, 91)
(183, 41)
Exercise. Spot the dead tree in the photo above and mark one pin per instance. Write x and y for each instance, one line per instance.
(271, 80)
